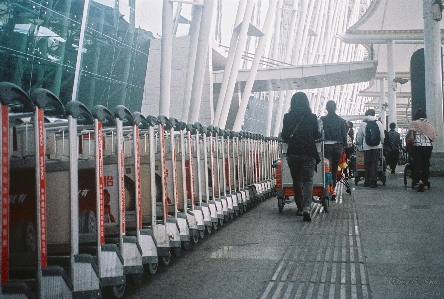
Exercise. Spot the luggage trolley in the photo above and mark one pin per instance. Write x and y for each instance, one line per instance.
(216, 156)
(226, 201)
(321, 180)
(31, 260)
(127, 241)
(229, 175)
(139, 173)
(153, 192)
(243, 193)
(169, 182)
(14, 101)
(210, 149)
(359, 167)
(63, 201)
(181, 185)
(109, 257)
(190, 166)
(204, 174)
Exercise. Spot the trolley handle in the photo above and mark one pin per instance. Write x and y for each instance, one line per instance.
(164, 121)
(14, 96)
(152, 120)
(49, 102)
(122, 113)
(102, 114)
(140, 120)
(79, 111)
(191, 128)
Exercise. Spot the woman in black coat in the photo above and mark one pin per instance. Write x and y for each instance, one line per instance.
(300, 130)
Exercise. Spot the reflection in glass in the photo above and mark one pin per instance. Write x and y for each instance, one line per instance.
(39, 45)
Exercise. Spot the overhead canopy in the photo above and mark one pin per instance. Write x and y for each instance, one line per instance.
(385, 20)
(305, 76)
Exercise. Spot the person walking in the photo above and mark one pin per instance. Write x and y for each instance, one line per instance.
(369, 137)
(394, 144)
(421, 150)
(335, 136)
(300, 131)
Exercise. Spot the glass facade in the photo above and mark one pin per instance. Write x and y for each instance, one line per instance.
(39, 45)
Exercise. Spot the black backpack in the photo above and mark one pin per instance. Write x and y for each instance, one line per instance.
(372, 133)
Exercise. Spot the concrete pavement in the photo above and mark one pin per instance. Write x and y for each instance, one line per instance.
(378, 243)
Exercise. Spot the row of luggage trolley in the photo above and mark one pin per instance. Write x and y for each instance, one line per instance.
(91, 199)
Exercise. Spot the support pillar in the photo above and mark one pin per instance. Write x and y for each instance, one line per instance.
(382, 103)
(391, 85)
(433, 81)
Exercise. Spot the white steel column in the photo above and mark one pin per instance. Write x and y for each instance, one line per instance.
(276, 41)
(236, 64)
(229, 63)
(299, 35)
(165, 59)
(194, 38)
(319, 22)
(80, 51)
(288, 56)
(302, 53)
(298, 50)
(254, 67)
(328, 35)
(390, 77)
(382, 103)
(201, 60)
(433, 73)
(298, 57)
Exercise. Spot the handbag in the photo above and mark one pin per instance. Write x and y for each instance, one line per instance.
(410, 138)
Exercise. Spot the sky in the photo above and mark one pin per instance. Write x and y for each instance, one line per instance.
(149, 15)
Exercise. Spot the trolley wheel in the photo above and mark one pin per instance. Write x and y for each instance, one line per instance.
(195, 239)
(208, 229)
(116, 291)
(201, 234)
(23, 237)
(186, 245)
(166, 259)
(137, 278)
(151, 268)
(280, 204)
(348, 191)
(176, 251)
(325, 203)
(214, 225)
(87, 222)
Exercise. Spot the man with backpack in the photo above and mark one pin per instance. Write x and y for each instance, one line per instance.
(369, 138)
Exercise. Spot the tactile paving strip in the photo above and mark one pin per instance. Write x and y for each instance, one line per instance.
(326, 260)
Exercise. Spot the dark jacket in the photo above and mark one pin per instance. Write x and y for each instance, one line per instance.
(335, 128)
(303, 140)
(394, 140)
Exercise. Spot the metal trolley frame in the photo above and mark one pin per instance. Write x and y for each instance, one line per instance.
(321, 180)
